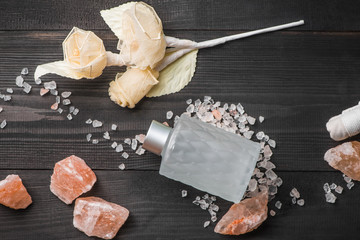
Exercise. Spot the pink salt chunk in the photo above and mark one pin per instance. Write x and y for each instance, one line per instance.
(97, 217)
(245, 216)
(13, 194)
(71, 178)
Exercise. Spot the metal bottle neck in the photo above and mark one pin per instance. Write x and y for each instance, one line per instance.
(156, 137)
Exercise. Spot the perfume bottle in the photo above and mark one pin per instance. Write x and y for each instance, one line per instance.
(204, 156)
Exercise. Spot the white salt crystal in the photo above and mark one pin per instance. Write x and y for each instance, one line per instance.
(278, 182)
(347, 179)
(140, 151)
(65, 94)
(294, 193)
(54, 92)
(19, 81)
(206, 224)
(350, 185)
(69, 116)
(66, 102)
(339, 189)
(89, 121)
(169, 115)
(27, 87)
(252, 185)
(76, 111)
(301, 202)
(106, 135)
(122, 166)
(95, 141)
(326, 188)
(119, 148)
(50, 85)
(38, 81)
(213, 218)
(125, 155)
(183, 193)
(207, 98)
(272, 189)
(270, 174)
(7, 98)
(333, 186)
(9, 90)
(88, 137)
(114, 144)
(96, 123)
(267, 151)
(293, 200)
(197, 102)
(25, 71)
(269, 165)
(1, 109)
(133, 144)
(3, 124)
(113, 127)
(140, 138)
(330, 197)
(226, 106)
(278, 204)
(60, 110)
(260, 135)
(190, 108)
(71, 109)
(272, 143)
(127, 141)
(189, 101)
(261, 119)
(251, 120)
(57, 99)
(272, 213)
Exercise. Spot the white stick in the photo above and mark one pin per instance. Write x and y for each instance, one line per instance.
(183, 46)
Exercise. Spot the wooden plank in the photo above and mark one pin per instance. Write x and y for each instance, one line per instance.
(296, 81)
(321, 15)
(158, 211)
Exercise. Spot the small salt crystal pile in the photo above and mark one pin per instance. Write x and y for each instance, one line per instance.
(206, 203)
(294, 193)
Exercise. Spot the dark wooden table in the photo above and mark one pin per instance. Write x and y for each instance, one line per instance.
(296, 78)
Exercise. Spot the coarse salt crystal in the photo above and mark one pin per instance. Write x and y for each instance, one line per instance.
(25, 71)
(57, 99)
(88, 137)
(127, 141)
(9, 90)
(122, 166)
(3, 124)
(119, 148)
(65, 94)
(60, 110)
(89, 121)
(19, 81)
(206, 224)
(50, 85)
(301, 202)
(66, 102)
(133, 144)
(169, 115)
(55, 106)
(278, 204)
(294, 193)
(76, 111)
(106, 135)
(69, 116)
(113, 127)
(96, 123)
(261, 119)
(125, 155)
(54, 92)
(272, 213)
(189, 101)
(183, 193)
(95, 141)
(140, 151)
(339, 189)
(27, 87)
(38, 81)
(114, 144)
(43, 91)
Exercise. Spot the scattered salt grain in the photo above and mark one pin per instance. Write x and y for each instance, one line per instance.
(95, 141)
(127, 141)
(7, 98)
(326, 188)
(89, 121)
(330, 197)
(251, 120)
(69, 116)
(133, 144)
(76, 111)
(293, 200)
(19, 81)
(294, 193)
(106, 135)
(65, 94)
(119, 148)
(206, 224)
(66, 102)
(190, 108)
(122, 166)
(350, 185)
(271, 175)
(248, 134)
(169, 115)
(339, 189)
(96, 123)
(125, 155)
(261, 119)
(333, 186)
(43, 91)
(213, 218)
(189, 101)
(140, 138)
(54, 92)
(272, 143)
(60, 110)
(38, 81)
(88, 137)
(1, 109)
(57, 99)
(272, 213)
(3, 124)
(301, 202)
(260, 135)
(183, 193)
(114, 144)
(113, 127)
(252, 185)
(347, 179)
(278, 204)
(140, 151)
(9, 90)
(50, 85)
(55, 106)
(25, 71)
(71, 109)
(27, 87)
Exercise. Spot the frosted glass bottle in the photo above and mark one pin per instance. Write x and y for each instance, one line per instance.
(203, 156)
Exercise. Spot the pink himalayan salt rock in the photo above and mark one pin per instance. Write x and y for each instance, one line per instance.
(346, 158)
(97, 217)
(13, 194)
(245, 216)
(71, 178)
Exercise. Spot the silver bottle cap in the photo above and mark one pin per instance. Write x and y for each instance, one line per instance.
(156, 137)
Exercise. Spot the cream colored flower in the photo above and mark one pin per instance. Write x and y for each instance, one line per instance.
(139, 29)
(130, 87)
(84, 57)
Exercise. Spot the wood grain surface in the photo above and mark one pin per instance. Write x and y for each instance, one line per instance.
(297, 79)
